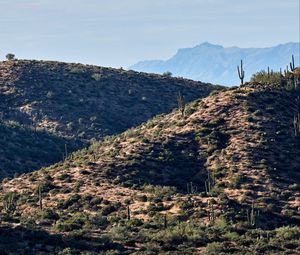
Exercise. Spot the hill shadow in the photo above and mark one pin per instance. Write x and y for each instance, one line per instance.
(172, 162)
(279, 153)
(25, 149)
(24, 241)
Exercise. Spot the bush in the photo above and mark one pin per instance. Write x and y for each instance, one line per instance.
(214, 248)
(10, 56)
(108, 210)
(74, 223)
(265, 78)
(98, 221)
(167, 74)
(288, 233)
(49, 214)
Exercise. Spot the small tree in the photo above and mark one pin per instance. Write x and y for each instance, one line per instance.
(10, 56)
(168, 74)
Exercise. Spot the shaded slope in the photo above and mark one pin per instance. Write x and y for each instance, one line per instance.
(78, 102)
(87, 101)
(23, 149)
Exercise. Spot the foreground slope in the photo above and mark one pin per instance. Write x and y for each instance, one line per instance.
(79, 103)
(209, 182)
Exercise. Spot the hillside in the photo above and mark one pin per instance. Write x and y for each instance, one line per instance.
(223, 179)
(72, 104)
(217, 64)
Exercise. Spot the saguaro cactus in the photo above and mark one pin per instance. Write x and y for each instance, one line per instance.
(128, 212)
(241, 72)
(296, 120)
(9, 202)
(292, 64)
(40, 196)
(297, 124)
(181, 103)
(191, 188)
(209, 183)
(211, 213)
(252, 216)
(165, 221)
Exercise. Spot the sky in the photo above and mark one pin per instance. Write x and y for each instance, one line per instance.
(119, 33)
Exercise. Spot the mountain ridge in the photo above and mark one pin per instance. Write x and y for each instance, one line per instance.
(217, 64)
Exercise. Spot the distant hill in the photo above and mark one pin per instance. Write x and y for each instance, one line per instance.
(49, 109)
(232, 163)
(216, 64)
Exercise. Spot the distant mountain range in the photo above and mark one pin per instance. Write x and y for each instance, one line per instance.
(215, 64)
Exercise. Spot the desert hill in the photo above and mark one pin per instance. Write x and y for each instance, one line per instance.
(223, 178)
(76, 103)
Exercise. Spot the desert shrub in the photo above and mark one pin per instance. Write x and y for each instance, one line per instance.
(214, 248)
(70, 201)
(98, 221)
(160, 191)
(84, 172)
(141, 198)
(119, 233)
(96, 76)
(96, 201)
(265, 78)
(65, 177)
(77, 70)
(216, 122)
(106, 210)
(167, 74)
(10, 56)
(288, 233)
(134, 223)
(50, 94)
(46, 186)
(69, 251)
(49, 214)
(294, 187)
(75, 222)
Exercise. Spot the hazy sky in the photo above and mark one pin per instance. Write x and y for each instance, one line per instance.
(121, 32)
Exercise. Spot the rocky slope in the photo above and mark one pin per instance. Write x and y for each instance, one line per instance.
(211, 181)
(77, 103)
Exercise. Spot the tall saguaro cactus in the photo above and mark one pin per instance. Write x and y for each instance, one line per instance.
(252, 216)
(9, 202)
(128, 213)
(165, 221)
(241, 72)
(181, 103)
(209, 183)
(292, 64)
(296, 123)
(40, 196)
(296, 120)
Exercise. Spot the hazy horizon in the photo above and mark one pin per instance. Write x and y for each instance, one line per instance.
(121, 33)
